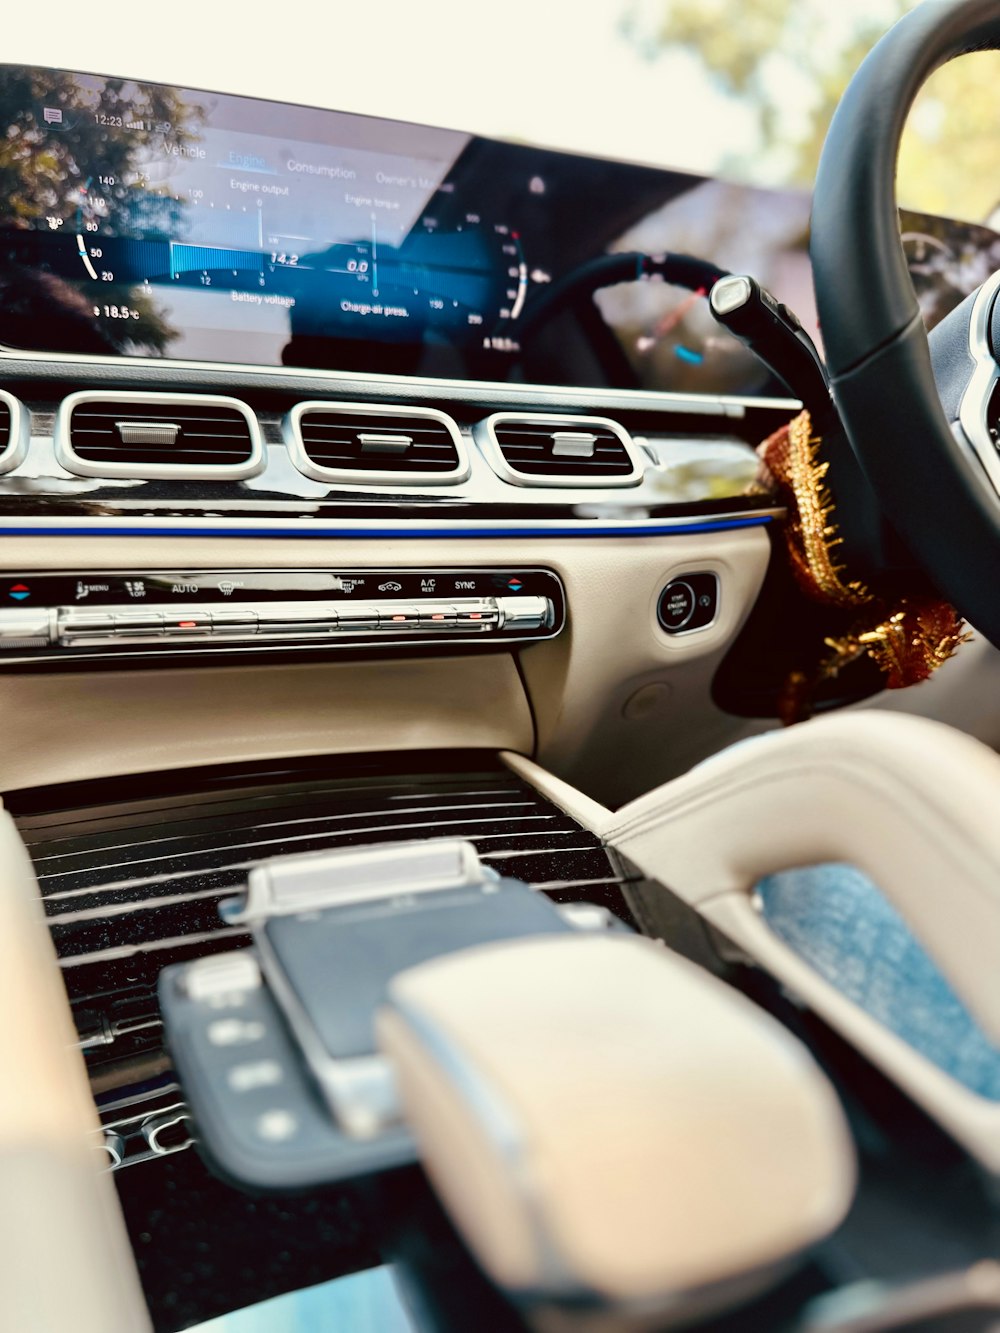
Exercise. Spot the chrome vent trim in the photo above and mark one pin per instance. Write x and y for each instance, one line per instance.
(386, 435)
(15, 431)
(576, 453)
(132, 431)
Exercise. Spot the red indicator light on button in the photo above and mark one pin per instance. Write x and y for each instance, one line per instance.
(475, 615)
(399, 617)
(187, 624)
(437, 616)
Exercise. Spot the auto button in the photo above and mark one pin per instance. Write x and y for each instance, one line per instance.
(186, 623)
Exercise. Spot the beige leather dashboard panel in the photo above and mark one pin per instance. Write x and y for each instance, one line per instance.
(614, 705)
(61, 728)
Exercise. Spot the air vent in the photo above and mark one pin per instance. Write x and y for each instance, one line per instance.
(15, 428)
(531, 449)
(179, 436)
(346, 442)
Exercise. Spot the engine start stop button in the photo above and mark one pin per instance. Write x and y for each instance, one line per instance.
(688, 603)
(676, 607)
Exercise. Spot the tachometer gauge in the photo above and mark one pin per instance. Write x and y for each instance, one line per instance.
(91, 210)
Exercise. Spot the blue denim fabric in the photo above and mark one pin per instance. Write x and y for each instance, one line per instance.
(836, 919)
(359, 1303)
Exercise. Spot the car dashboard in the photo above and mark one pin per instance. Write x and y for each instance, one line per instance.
(341, 461)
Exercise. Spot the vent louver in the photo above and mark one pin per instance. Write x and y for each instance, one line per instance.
(531, 449)
(14, 431)
(344, 442)
(148, 436)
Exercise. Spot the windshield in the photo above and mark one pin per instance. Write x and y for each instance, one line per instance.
(735, 98)
(738, 88)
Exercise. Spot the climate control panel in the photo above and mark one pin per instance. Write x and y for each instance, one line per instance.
(69, 615)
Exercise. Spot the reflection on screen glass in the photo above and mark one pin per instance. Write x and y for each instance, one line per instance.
(667, 333)
(143, 220)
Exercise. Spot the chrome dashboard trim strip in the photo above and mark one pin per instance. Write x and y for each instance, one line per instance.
(301, 458)
(20, 433)
(362, 529)
(972, 409)
(27, 364)
(68, 458)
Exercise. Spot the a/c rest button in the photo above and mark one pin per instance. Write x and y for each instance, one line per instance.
(688, 603)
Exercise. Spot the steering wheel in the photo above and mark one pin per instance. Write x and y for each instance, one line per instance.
(919, 413)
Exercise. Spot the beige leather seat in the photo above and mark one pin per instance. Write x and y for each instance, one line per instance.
(56, 1198)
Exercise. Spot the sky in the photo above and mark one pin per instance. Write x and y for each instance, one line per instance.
(556, 72)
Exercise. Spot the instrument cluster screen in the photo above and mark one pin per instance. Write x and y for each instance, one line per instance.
(152, 220)
(138, 219)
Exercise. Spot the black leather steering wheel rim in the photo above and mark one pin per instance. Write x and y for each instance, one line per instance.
(919, 465)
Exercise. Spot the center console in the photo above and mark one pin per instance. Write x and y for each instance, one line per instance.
(132, 873)
(405, 1001)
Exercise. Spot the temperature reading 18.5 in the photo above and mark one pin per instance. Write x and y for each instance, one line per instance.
(116, 311)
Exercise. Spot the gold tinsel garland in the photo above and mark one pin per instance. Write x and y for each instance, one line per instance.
(909, 635)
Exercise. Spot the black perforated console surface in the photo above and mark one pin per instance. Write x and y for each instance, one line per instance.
(132, 870)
